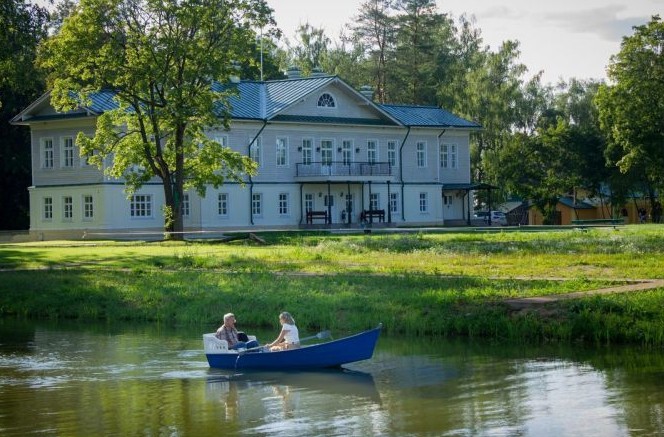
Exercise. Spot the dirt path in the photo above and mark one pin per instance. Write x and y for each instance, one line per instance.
(535, 302)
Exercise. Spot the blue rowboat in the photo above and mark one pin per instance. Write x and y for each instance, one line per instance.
(333, 353)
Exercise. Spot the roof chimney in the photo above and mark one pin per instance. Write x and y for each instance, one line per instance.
(235, 72)
(317, 72)
(367, 91)
(293, 72)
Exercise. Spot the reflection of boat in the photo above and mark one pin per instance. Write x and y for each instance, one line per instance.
(331, 354)
(334, 382)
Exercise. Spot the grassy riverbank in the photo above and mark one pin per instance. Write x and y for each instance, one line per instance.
(446, 283)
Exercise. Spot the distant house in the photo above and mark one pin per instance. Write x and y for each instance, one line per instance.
(327, 156)
(567, 210)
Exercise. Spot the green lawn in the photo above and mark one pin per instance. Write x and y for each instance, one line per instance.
(442, 283)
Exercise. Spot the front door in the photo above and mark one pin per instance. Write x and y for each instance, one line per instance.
(331, 208)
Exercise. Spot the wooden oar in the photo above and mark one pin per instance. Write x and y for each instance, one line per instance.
(320, 336)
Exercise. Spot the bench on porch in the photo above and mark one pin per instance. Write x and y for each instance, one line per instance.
(370, 214)
(599, 222)
(314, 215)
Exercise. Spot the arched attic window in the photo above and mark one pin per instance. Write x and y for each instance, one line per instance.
(326, 101)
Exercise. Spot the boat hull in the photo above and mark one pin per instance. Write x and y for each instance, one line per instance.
(335, 353)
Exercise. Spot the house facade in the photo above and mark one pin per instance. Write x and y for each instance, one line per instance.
(327, 155)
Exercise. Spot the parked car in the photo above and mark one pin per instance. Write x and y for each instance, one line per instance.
(484, 215)
(498, 218)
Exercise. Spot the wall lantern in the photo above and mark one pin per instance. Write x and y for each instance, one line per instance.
(357, 150)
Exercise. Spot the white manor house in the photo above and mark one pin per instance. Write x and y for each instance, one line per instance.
(328, 156)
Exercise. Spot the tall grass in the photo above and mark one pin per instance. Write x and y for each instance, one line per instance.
(444, 284)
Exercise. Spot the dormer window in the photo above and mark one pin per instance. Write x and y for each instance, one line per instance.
(326, 101)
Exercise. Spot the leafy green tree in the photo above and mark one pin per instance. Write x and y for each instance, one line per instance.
(310, 48)
(412, 78)
(165, 61)
(631, 106)
(373, 30)
(22, 27)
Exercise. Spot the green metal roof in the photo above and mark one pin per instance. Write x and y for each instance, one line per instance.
(266, 100)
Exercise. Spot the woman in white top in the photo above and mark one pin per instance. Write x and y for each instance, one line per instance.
(289, 337)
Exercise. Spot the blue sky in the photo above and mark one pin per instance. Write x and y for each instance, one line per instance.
(565, 38)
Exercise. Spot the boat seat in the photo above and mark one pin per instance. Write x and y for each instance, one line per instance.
(213, 345)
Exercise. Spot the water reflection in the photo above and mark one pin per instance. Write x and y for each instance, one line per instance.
(96, 379)
(276, 398)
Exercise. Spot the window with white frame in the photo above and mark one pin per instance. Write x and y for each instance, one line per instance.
(448, 156)
(222, 204)
(392, 153)
(326, 152)
(221, 139)
(283, 204)
(257, 204)
(307, 152)
(347, 151)
(88, 207)
(421, 154)
(141, 205)
(328, 200)
(282, 152)
(67, 152)
(308, 202)
(424, 202)
(67, 208)
(256, 151)
(326, 101)
(447, 200)
(48, 208)
(374, 201)
(394, 203)
(47, 152)
(185, 205)
(372, 151)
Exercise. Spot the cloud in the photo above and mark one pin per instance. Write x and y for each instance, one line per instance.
(603, 22)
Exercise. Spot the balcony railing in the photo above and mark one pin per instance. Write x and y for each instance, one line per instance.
(339, 168)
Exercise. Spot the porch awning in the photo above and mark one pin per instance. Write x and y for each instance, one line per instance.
(469, 186)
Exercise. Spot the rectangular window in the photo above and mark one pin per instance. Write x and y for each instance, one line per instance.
(394, 202)
(309, 202)
(307, 152)
(222, 139)
(257, 204)
(424, 202)
(68, 152)
(88, 207)
(447, 200)
(448, 156)
(185, 205)
(329, 200)
(67, 208)
(392, 153)
(141, 205)
(372, 151)
(48, 208)
(222, 204)
(421, 154)
(282, 152)
(326, 152)
(256, 151)
(47, 153)
(283, 204)
(374, 201)
(347, 151)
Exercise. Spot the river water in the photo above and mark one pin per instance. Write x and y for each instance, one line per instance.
(76, 379)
